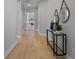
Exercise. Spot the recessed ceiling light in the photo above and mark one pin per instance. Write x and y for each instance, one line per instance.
(27, 1)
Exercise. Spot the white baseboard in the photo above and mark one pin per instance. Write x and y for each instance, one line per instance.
(9, 49)
(37, 30)
(41, 33)
(68, 57)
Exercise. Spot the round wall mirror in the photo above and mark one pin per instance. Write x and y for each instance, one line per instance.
(64, 13)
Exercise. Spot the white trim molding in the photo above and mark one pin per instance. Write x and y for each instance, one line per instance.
(9, 49)
(19, 36)
(41, 33)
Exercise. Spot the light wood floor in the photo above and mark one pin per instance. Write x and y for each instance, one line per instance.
(32, 46)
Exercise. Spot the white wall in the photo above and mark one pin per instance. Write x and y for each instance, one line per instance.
(13, 23)
(20, 18)
(10, 23)
(42, 15)
(36, 19)
(45, 15)
(69, 28)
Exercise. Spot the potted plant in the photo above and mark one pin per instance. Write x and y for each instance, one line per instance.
(58, 28)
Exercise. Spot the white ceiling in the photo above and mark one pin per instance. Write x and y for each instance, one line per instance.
(34, 5)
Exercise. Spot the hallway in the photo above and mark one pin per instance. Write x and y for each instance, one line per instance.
(24, 41)
(31, 46)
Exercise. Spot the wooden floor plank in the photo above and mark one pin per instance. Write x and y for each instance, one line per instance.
(32, 46)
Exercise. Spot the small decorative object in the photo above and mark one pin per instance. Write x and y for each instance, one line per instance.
(51, 25)
(64, 13)
(58, 28)
(31, 21)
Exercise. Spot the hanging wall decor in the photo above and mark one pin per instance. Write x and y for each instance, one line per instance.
(55, 20)
(56, 17)
(64, 13)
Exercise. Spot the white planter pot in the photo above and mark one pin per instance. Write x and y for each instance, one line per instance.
(58, 32)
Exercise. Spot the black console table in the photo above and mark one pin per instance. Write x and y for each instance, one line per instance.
(58, 45)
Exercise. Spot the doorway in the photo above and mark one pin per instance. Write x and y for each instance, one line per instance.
(29, 21)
